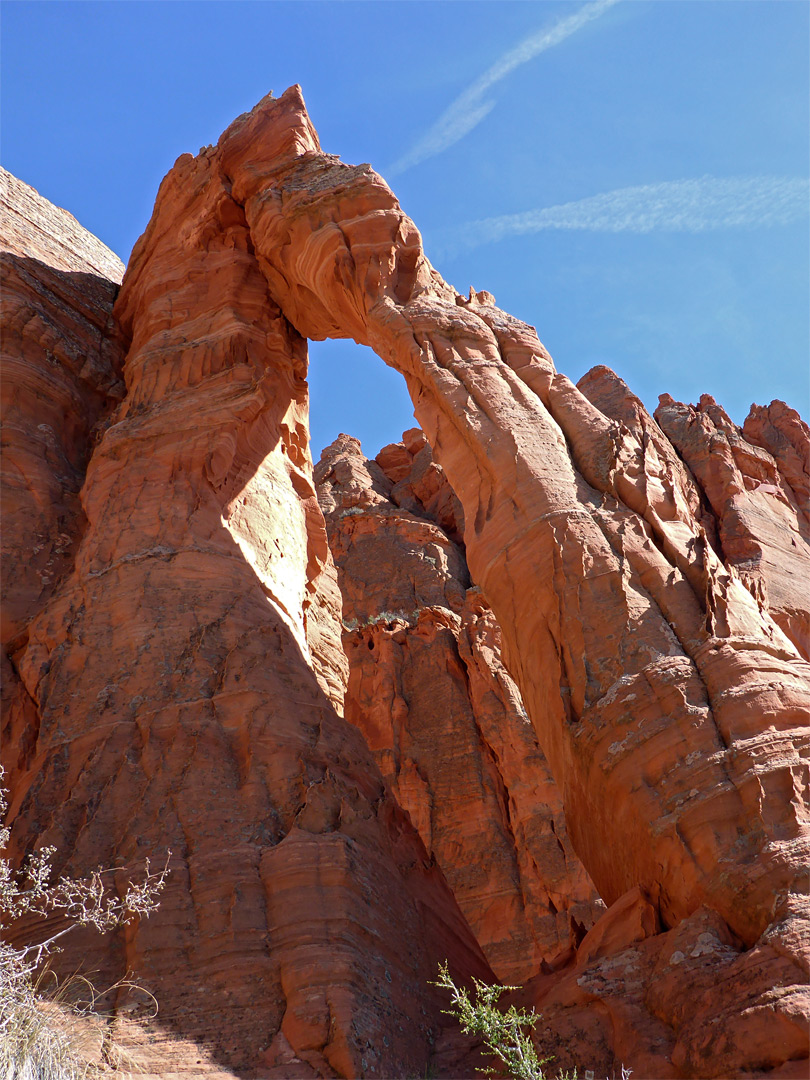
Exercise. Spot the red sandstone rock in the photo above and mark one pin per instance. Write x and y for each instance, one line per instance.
(763, 520)
(33, 228)
(688, 1002)
(60, 378)
(442, 716)
(419, 484)
(780, 430)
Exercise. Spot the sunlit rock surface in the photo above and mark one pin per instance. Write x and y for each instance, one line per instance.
(756, 482)
(187, 677)
(671, 706)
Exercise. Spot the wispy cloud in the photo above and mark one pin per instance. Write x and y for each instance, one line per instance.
(673, 206)
(469, 109)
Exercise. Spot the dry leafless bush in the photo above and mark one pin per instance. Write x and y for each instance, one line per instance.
(47, 1031)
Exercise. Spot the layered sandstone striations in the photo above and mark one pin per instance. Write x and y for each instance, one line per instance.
(60, 377)
(440, 712)
(187, 680)
(184, 676)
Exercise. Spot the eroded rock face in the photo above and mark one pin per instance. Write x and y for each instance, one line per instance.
(439, 711)
(687, 1002)
(759, 500)
(187, 679)
(61, 378)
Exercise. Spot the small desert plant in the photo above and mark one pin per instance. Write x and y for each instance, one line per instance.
(506, 1034)
(49, 1029)
(40, 1030)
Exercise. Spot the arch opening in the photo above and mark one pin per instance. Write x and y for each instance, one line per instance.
(352, 391)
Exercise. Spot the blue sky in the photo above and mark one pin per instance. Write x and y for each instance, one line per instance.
(629, 176)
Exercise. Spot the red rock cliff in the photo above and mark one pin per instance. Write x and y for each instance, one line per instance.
(61, 367)
(671, 705)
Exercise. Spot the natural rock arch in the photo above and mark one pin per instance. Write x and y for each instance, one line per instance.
(585, 540)
(671, 705)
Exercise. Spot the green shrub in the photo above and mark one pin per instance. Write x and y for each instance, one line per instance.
(507, 1034)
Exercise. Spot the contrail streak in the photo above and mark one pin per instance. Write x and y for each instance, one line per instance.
(673, 206)
(468, 109)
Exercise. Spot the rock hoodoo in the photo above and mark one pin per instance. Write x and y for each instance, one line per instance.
(335, 744)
